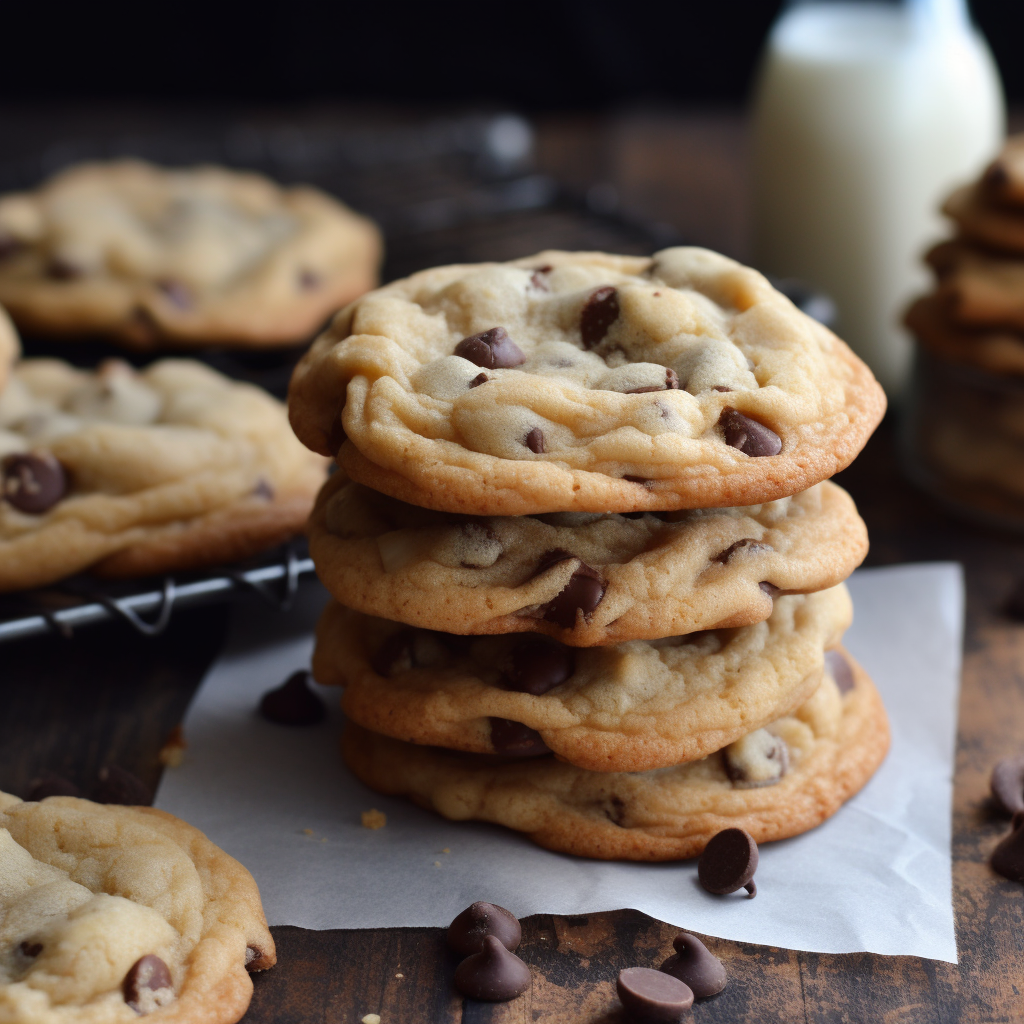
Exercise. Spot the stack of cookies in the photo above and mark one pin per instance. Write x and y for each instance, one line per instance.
(967, 426)
(587, 566)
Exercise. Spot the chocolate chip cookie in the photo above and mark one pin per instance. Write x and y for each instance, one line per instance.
(774, 783)
(112, 913)
(149, 257)
(583, 577)
(630, 707)
(582, 382)
(130, 473)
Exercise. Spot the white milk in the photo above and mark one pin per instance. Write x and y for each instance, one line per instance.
(866, 115)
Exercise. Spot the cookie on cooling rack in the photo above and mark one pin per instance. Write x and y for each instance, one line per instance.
(147, 257)
(584, 382)
(629, 707)
(112, 913)
(129, 473)
(775, 782)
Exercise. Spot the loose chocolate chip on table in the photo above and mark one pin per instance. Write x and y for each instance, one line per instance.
(493, 974)
(513, 739)
(728, 863)
(395, 654)
(147, 984)
(539, 665)
(747, 435)
(748, 546)
(535, 441)
(32, 949)
(842, 674)
(493, 349)
(1008, 784)
(582, 593)
(467, 932)
(696, 966)
(480, 378)
(293, 702)
(650, 995)
(118, 786)
(1008, 856)
(51, 785)
(32, 482)
(177, 293)
(599, 312)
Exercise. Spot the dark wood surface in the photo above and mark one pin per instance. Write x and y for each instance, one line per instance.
(111, 697)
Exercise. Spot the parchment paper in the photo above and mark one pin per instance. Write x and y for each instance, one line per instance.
(876, 877)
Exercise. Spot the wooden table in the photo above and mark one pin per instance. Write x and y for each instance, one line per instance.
(112, 697)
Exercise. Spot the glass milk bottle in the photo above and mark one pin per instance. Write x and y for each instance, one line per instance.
(866, 115)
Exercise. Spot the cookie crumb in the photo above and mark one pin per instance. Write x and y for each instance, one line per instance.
(370, 1018)
(399, 975)
(446, 850)
(373, 819)
(172, 753)
(437, 863)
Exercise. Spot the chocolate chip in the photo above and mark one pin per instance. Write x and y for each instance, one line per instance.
(747, 435)
(147, 985)
(769, 588)
(538, 278)
(62, 270)
(671, 384)
(1008, 857)
(513, 739)
(480, 378)
(256, 959)
(51, 785)
(722, 388)
(539, 665)
(748, 546)
(839, 668)
(32, 949)
(395, 654)
(599, 312)
(535, 441)
(1008, 784)
(728, 863)
(118, 786)
(309, 280)
(32, 482)
(582, 593)
(467, 932)
(493, 974)
(493, 349)
(649, 995)
(696, 966)
(615, 811)
(336, 437)
(293, 702)
(177, 293)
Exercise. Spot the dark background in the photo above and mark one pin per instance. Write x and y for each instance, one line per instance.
(557, 54)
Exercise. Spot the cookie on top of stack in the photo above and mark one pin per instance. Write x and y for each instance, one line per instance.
(968, 431)
(586, 562)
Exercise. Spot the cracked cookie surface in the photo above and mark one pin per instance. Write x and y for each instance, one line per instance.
(146, 256)
(112, 913)
(657, 574)
(630, 707)
(584, 382)
(835, 741)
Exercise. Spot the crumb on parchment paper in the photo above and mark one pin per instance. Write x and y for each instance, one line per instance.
(370, 1018)
(373, 818)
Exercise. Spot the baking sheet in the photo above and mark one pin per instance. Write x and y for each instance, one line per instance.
(876, 877)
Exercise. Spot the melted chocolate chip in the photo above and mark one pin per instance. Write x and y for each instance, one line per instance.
(513, 739)
(31, 949)
(51, 785)
(467, 932)
(493, 349)
(538, 278)
(671, 384)
(583, 592)
(256, 959)
(696, 966)
(748, 546)
(535, 441)
(177, 293)
(118, 786)
(842, 674)
(649, 995)
(747, 435)
(395, 654)
(1008, 856)
(599, 312)
(480, 378)
(309, 280)
(293, 702)
(539, 665)
(728, 863)
(493, 974)
(32, 482)
(1007, 784)
(146, 977)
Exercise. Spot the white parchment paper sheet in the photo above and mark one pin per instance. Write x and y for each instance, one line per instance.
(876, 877)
